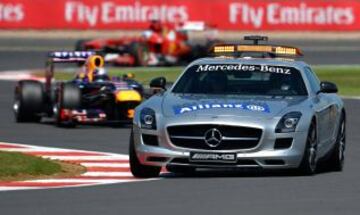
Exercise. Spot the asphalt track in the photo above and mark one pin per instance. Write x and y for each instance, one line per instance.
(243, 193)
(31, 53)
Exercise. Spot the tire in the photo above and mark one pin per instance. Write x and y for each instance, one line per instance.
(336, 160)
(308, 164)
(140, 53)
(181, 170)
(29, 101)
(80, 45)
(137, 169)
(69, 98)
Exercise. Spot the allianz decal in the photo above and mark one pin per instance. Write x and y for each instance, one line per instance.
(245, 68)
(181, 109)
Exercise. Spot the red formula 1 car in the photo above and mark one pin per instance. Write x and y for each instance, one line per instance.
(91, 96)
(161, 45)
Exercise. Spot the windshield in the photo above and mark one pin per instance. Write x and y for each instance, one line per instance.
(241, 79)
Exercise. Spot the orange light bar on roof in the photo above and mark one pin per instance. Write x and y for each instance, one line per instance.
(285, 50)
(274, 49)
(246, 48)
(224, 49)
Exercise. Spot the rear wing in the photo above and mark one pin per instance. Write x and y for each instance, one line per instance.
(256, 50)
(69, 56)
(63, 57)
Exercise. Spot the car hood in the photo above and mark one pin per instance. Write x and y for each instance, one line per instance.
(192, 105)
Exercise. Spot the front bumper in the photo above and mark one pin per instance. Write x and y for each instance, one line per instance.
(264, 155)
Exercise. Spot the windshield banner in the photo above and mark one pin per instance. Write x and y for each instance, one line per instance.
(244, 68)
(206, 106)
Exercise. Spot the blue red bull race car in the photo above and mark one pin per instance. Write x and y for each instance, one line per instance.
(91, 96)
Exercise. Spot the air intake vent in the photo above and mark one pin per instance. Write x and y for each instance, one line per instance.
(283, 143)
(150, 140)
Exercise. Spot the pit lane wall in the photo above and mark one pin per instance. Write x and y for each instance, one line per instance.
(246, 15)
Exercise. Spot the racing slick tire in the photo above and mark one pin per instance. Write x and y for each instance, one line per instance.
(69, 98)
(136, 168)
(336, 160)
(308, 164)
(29, 99)
(140, 53)
(80, 45)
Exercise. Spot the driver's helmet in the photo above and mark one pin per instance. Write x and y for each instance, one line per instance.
(128, 76)
(155, 26)
(100, 74)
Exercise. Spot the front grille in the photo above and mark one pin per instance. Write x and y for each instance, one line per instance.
(233, 137)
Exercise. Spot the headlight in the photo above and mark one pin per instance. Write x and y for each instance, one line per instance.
(148, 119)
(288, 122)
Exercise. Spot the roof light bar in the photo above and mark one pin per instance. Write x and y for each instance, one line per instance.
(235, 50)
(272, 50)
(225, 48)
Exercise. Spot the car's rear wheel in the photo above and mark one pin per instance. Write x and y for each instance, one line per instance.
(337, 157)
(140, 53)
(137, 169)
(29, 100)
(309, 162)
(80, 45)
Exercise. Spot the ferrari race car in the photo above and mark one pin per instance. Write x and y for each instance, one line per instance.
(251, 106)
(161, 45)
(92, 96)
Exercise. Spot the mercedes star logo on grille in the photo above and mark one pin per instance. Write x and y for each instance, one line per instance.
(213, 137)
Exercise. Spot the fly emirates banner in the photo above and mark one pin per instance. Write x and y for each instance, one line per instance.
(294, 15)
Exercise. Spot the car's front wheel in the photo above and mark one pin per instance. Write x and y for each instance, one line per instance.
(137, 169)
(309, 162)
(69, 98)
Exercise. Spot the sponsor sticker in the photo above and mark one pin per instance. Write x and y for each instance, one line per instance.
(186, 108)
(244, 68)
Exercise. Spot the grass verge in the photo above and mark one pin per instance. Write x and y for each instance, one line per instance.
(17, 166)
(346, 77)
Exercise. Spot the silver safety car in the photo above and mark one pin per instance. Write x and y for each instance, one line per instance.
(244, 108)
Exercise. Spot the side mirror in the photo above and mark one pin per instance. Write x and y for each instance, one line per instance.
(328, 87)
(159, 83)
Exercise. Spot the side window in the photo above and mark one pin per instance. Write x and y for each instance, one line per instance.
(313, 80)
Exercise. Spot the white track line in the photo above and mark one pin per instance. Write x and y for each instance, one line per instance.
(107, 164)
(79, 180)
(2, 188)
(100, 158)
(108, 174)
